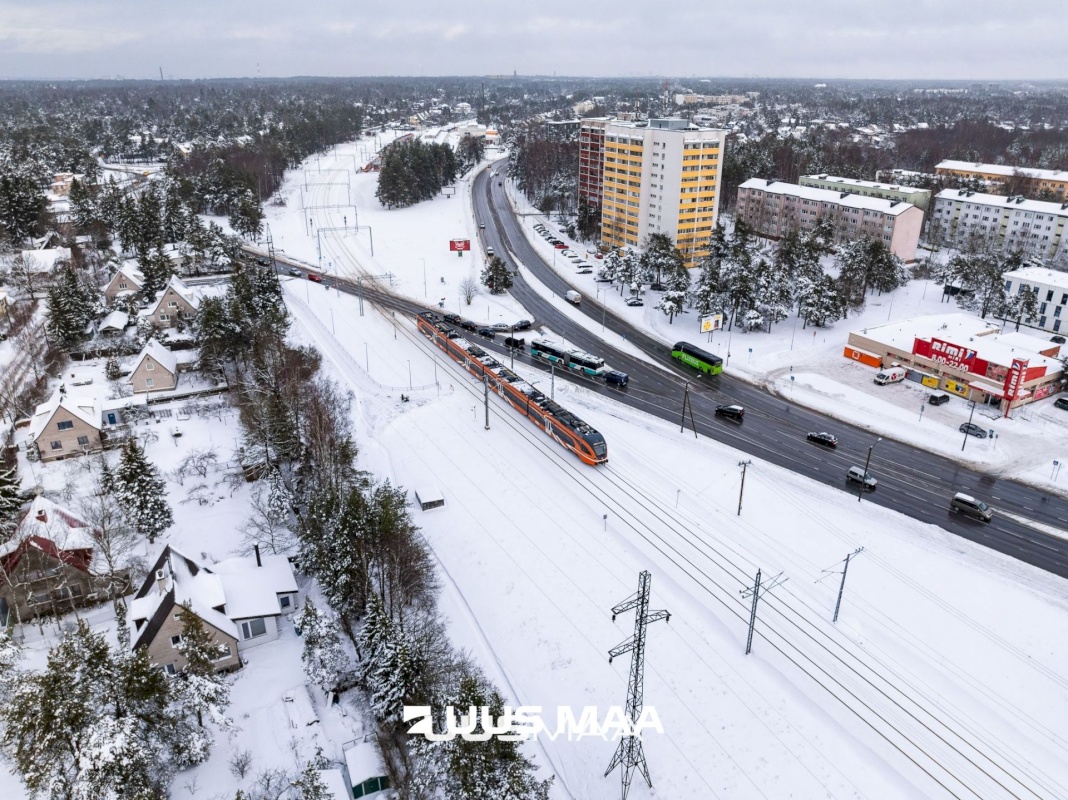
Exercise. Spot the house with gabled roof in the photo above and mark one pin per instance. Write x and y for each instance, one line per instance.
(53, 563)
(65, 426)
(155, 369)
(174, 302)
(127, 281)
(239, 601)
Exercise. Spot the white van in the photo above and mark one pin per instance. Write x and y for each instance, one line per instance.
(573, 297)
(891, 375)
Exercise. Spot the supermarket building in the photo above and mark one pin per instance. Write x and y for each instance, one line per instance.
(965, 356)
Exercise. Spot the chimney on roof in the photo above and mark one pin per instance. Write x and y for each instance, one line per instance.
(161, 581)
(256, 550)
(42, 516)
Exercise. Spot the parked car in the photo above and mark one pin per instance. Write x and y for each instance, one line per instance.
(560, 246)
(616, 378)
(599, 255)
(487, 332)
(315, 277)
(857, 475)
(468, 325)
(523, 325)
(635, 301)
(453, 319)
(602, 279)
(1057, 339)
(263, 262)
(972, 429)
(1061, 402)
(938, 399)
(970, 507)
(822, 437)
(735, 412)
(296, 273)
(517, 343)
(656, 287)
(583, 269)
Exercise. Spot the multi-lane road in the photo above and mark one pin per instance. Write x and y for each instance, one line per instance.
(912, 481)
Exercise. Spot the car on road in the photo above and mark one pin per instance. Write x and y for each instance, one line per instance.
(501, 326)
(487, 332)
(938, 399)
(857, 475)
(468, 325)
(732, 411)
(972, 429)
(296, 273)
(523, 325)
(453, 319)
(263, 262)
(970, 507)
(635, 301)
(315, 277)
(1061, 402)
(482, 226)
(822, 437)
(616, 378)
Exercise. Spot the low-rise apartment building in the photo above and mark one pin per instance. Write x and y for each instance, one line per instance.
(1035, 227)
(773, 208)
(921, 198)
(1051, 293)
(1030, 180)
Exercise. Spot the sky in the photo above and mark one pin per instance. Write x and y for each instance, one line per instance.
(909, 39)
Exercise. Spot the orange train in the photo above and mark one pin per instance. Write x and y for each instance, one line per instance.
(559, 423)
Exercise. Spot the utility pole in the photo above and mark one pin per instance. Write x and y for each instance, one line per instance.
(552, 380)
(841, 587)
(743, 465)
(966, 434)
(485, 381)
(687, 405)
(757, 591)
(629, 754)
(867, 463)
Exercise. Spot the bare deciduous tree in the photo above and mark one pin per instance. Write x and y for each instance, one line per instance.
(468, 289)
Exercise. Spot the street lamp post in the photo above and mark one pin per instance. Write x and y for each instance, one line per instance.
(867, 463)
(424, 277)
(966, 430)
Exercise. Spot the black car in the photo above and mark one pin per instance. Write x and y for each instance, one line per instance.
(972, 429)
(938, 399)
(468, 325)
(731, 412)
(1057, 339)
(515, 343)
(263, 262)
(822, 437)
(487, 332)
(1061, 402)
(523, 325)
(616, 378)
(453, 319)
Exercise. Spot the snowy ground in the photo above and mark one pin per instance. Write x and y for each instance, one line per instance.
(941, 659)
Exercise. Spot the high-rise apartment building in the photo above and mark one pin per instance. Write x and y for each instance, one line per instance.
(591, 159)
(661, 177)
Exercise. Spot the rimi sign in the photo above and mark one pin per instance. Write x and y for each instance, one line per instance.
(459, 245)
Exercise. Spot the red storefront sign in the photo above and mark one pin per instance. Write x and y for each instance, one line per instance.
(1016, 377)
(953, 355)
(456, 245)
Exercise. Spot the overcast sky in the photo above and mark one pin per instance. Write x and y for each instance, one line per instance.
(938, 39)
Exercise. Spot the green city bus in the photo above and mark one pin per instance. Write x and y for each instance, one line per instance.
(697, 358)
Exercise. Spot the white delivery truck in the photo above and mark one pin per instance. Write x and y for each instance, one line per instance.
(573, 297)
(890, 375)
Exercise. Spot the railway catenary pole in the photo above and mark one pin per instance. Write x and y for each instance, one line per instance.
(757, 592)
(741, 492)
(629, 754)
(841, 586)
(485, 382)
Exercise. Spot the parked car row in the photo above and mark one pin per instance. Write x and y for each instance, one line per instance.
(489, 331)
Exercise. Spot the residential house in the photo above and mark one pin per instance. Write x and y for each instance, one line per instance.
(155, 369)
(175, 302)
(53, 563)
(127, 281)
(66, 426)
(238, 600)
(114, 323)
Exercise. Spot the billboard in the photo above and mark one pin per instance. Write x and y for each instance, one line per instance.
(711, 322)
(459, 245)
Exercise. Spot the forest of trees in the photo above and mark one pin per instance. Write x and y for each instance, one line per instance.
(413, 171)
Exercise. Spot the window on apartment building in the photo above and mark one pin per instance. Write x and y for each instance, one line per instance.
(1056, 311)
(66, 425)
(1042, 309)
(169, 669)
(1042, 322)
(1064, 299)
(83, 441)
(57, 445)
(1049, 295)
(1056, 325)
(176, 640)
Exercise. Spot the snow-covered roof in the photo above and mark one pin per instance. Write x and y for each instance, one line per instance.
(1001, 201)
(846, 182)
(252, 591)
(44, 260)
(179, 287)
(116, 320)
(1033, 275)
(132, 270)
(890, 207)
(1004, 169)
(964, 330)
(334, 781)
(162, 356)
(49, 521)
(86, 408)
(190, 583)
(363, 762)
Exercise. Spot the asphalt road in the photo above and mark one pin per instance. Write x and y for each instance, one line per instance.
(911, 480)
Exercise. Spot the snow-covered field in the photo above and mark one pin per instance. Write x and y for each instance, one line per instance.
(943, 677)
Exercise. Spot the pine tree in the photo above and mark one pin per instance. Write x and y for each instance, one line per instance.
(112, 369)
(11, 501)
(324, 658)
(496, 276)
(141, 493)
(203, 692)
(659, 258)
(70, 308)
(310, 786)
(395, 678)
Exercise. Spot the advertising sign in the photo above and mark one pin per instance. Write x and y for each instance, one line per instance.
(1015, 378)
(712, 322)
(459, 245)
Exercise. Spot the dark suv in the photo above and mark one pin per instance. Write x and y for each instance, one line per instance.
(972, 429)
(731, 412)
(453, 319)
(938, 399)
